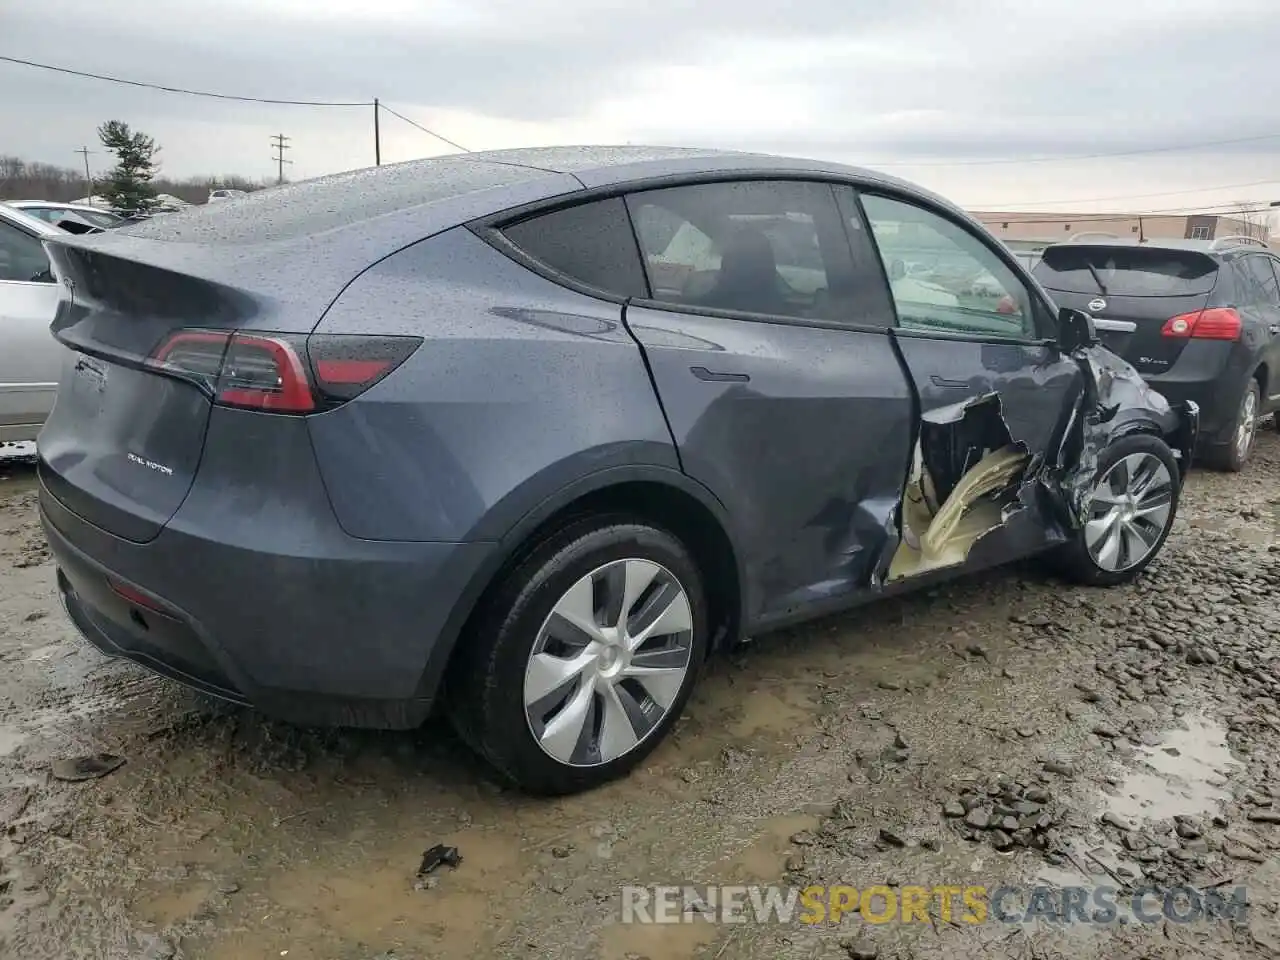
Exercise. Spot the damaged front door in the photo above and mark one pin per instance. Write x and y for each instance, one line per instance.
(995, 393)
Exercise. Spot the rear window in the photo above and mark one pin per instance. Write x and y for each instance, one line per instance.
(1127, 271)
(591, 243)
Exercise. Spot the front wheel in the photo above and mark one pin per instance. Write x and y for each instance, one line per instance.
(1132, 508)
(583, 657)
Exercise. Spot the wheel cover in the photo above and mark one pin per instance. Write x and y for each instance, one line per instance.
(1131, 507)
(1246, 425)
(608, 662)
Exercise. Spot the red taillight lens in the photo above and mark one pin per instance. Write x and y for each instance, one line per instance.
(264, 372)
(138, 599)
(280, 373)
(346, 366)
(1216, 323)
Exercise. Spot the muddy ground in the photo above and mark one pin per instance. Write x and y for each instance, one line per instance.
(1130, 734)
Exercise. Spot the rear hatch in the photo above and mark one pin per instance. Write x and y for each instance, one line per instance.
(123, 442)
(1133, 292)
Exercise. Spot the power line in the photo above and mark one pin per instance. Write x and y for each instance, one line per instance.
(1071, 157)
(426, 130)
(1131, 196)
(193, 93)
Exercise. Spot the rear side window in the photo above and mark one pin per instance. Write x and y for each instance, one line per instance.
(1258, 286)
(22, 257)
(1127, 271)
(591, 243)
(757, 246)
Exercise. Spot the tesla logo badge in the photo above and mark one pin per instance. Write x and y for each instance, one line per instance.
(1096, 304)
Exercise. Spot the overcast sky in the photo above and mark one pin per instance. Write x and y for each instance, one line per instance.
(931, 90)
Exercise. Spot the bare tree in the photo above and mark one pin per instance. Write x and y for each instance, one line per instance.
(1252, 221)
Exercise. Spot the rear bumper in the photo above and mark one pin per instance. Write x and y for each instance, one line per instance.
(1210, 374)
(349, 632)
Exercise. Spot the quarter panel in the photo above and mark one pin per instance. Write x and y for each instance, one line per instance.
(521, 387)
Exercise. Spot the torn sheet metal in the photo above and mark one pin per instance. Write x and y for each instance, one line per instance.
(965, 479)
(970, 478)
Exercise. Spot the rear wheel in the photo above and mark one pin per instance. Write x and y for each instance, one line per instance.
(1234, 454)
(583, 658)
(1132, 508)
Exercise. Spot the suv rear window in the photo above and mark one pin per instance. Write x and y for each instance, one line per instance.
(1127, 271)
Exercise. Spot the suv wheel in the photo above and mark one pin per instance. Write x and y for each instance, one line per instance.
(1133, 506)
(583, 658)
(1233, 455)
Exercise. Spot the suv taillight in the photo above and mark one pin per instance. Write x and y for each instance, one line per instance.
(1216, 323)
(279, 373)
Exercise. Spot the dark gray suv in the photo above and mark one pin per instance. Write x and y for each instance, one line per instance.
(533, 433)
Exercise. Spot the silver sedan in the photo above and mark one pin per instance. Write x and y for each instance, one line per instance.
(30, 357)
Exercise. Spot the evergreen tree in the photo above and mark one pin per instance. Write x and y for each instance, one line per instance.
(128, 187)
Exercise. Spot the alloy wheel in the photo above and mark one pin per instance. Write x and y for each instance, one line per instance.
(1246, 425)
(1130, 509)
(609, 662)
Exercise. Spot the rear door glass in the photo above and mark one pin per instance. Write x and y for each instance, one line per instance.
(1260, 286)
(1127, 271)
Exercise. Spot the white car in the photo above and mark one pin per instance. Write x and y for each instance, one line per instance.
(30, 358)
(215, 195)
(56, 213)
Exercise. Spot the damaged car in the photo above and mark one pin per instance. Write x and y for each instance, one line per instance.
(529, 435)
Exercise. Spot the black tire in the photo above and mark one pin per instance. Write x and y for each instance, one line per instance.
(1228, 456)
(486, 682)
(1073, 559)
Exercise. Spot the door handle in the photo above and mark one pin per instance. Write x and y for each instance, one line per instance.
(1274, 328)
(702, 373)
(949, 384)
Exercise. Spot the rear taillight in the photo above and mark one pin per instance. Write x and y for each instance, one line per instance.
(280, 373)
(1216, 323)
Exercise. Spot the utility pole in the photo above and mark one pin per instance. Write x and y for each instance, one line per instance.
(279, 144)
(377, 137)
(88, 178)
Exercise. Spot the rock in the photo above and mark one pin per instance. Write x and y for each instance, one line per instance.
(953, 808)
(1210, 655)
(930, 843)
(558, 886)
(1026, 732)
(803, 839)
(1087, 693)
(1115, 820)
(1186, 828)
(562, 851)
(1001, 840)
(1237, 851)
(977, 650)
(795, 863)
(228, 887)
(1148, 855)
(977, 818)
(1061, 768)
(1106, 732)
(1264, 816)
(889, 685)
(1036, 795)
(1133, 841)
(1009, 824)
(85, 768)
(890, 838)
(861, 949)
(1026, 808)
